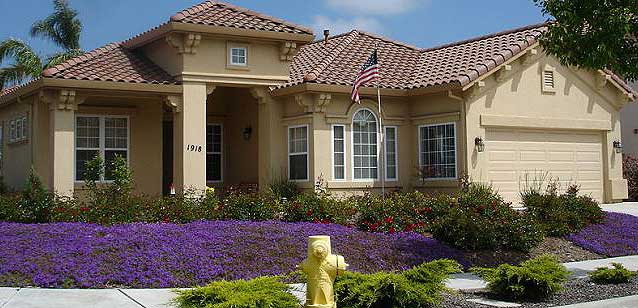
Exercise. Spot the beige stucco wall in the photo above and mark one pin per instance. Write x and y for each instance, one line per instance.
(405, 113)
(629, 120)
(145, 143)
(576, 105)
(17, 158)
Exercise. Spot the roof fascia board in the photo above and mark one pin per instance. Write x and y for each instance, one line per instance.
(330, 88)
(90, 85)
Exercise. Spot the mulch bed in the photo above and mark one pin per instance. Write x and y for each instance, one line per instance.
(575, 291)
(565, 250)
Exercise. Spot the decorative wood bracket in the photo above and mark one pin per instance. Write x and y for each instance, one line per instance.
(529, 56)
(502, 72)
(210, 88)
(62, 100)
(174, 102)
(475, 89)
(314, 103)
(185, 43)
(287, 51)
(601, 80)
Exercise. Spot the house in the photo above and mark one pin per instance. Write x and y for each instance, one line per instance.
(629, 120)
(221, 95)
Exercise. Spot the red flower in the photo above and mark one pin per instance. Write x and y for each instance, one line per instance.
(325, 221)
(84, 209)
(309, 213)
(392, 230)
(389, 220)
(428, 210)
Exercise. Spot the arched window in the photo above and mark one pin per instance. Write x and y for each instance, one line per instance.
(364, 142)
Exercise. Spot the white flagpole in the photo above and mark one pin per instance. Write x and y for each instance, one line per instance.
(381, 137)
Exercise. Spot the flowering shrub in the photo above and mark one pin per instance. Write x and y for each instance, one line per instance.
(616, 236)
(169, 255)
(478, 218)
(630, 172)
(319, 208)
(562, 214)
(413, 211)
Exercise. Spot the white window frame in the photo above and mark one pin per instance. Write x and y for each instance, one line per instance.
(396, 152)
(332, 147)
(376, 118)
(307, 153)
(102, 149)
(18, 129)
(230, 55)
(221, 153)
(456, 152)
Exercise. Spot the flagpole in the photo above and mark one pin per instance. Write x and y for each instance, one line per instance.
(381, 137)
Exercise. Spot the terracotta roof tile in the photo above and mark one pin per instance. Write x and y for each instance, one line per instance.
(408, 67)
(111, 63)
(216, 13)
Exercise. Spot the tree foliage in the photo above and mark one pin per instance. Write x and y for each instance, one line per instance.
(593, 34)
(62, 27)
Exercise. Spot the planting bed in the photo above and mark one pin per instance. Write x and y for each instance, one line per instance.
(70, 255)
(616, 236)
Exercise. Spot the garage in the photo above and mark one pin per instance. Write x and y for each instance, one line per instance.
(517, 157)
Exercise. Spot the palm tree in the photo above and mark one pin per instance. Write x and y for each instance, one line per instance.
(62, 27)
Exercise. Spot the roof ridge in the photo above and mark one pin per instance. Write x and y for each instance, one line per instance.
(389, 40)
(316, 71)
(81, 59)
(486, 36)
(179, 16)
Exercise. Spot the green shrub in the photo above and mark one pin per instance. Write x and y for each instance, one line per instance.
(617, 275)
(478, 218)
(254, 206)
(630, 172)
(260, 292)
(34, 204)
(282, 188)
(561, 214)
(419, 287)
(533, 280)
(319, 208)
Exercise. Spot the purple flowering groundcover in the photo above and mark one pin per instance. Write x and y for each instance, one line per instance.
(616, 236)
(65, 255)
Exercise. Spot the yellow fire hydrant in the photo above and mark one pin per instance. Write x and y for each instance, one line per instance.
(322, 268)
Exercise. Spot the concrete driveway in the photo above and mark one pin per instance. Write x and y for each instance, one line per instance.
(630, 208)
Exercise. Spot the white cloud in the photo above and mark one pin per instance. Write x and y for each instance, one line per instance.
(373, 7)
(341, 25)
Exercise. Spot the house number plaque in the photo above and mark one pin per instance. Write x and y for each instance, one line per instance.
(194, 148)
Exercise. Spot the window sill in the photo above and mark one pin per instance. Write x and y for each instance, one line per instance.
(18, 142)
(237, 67)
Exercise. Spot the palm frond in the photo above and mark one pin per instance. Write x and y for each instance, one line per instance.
(23, 57)
(13, 75)
(62, 26)
(62, 57)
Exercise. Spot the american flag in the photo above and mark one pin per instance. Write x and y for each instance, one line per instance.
(369, 72)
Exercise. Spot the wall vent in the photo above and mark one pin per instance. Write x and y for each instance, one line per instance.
(548, 80)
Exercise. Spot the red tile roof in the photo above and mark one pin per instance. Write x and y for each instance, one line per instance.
(408, 67)
(216, 13)
(111, 63)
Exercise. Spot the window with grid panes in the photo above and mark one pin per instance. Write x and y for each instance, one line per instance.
(364, 145)
(437, 151)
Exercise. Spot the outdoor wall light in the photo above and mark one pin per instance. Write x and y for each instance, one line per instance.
(247, 132)
(618, 146)
(480, 144)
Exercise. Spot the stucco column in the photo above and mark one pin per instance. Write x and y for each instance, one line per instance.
(271, 138)
(189, 137)
(62, 109)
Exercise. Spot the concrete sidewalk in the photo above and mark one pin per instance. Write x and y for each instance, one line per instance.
(161, 298)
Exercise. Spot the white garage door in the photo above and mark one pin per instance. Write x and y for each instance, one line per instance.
(517, 157)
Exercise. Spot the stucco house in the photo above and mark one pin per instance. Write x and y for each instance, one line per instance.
(220, 95)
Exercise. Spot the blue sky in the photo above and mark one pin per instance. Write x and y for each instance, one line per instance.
(423, 23)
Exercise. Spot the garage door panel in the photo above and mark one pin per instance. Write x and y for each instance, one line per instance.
(516, 157)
